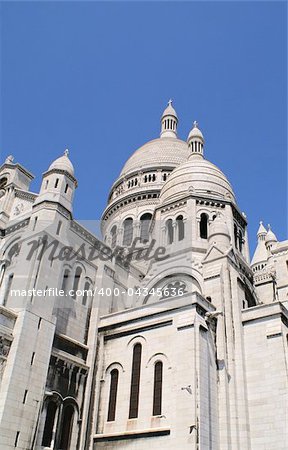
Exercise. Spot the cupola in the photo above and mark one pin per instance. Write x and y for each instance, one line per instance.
(59, 183)
(195, 141)
(169, 122)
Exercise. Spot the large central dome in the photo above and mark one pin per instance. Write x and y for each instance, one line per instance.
(161, 152)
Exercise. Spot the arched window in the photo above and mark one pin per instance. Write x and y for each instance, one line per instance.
(135, 381)
(240, 240)
(204, 226)
(86, 292)
(145, 220)
(128, 231)
(113, 236)
(77, 277)
(66, 429)
(235, 236)
(113, 395)
(180, 226)
(169, 227)
(49, 424)
(65, 280)
(157, 393)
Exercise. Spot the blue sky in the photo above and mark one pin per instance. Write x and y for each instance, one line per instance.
(95, 77)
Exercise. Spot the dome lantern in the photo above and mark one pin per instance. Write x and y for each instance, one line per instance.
(195, 141)
(169, 122)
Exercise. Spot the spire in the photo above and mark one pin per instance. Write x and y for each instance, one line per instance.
(169, 122)
(196, 141)
(260, 256)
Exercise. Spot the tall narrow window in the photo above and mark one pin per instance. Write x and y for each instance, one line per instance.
(169, 227)
(65, 280)
(49, 424)
(58, 227)
(145, 220)
(240, 240)
(8, 288)
(135, 382)
(77, 277)
(56, 182)
(180, 226)
(204, 226)
(86, 293)
(235, 236)
(128, 231)
(113, 236)
(66, 188)
(35, 223)
(66, 429)
(157, 394)
(113, 395)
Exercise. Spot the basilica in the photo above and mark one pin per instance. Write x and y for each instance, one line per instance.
(160, 334)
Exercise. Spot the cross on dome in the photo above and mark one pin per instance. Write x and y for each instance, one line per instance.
(66, 153)
(195, 124)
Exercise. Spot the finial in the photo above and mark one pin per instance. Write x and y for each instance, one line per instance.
(66, 153)
(9, 159)
(261, 222)
(170, 102)
(195, 124)
(269, 226)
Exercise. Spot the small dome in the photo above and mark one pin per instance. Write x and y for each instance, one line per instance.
(270, 236)
(63, 163)
(199, 176)
(169, 111)
(195, 132)
(161, 152)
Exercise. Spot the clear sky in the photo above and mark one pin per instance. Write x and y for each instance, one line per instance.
(95, 77)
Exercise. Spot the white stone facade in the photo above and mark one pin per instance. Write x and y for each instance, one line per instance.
(101, 347)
